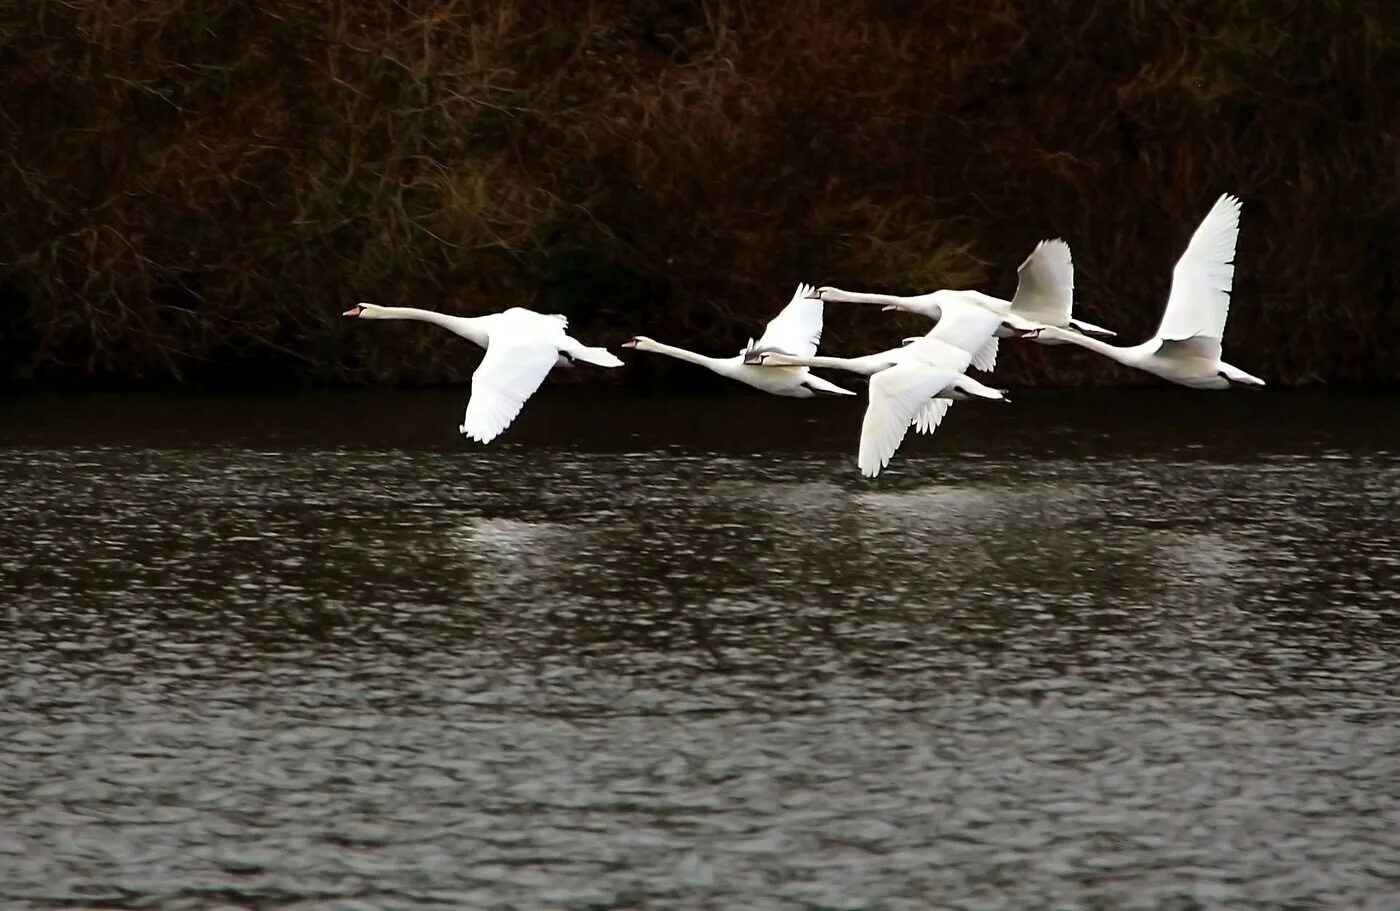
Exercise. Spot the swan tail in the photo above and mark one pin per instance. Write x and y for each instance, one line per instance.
(817, 384)
(978, 389)
(598, 357)
(1236, 375)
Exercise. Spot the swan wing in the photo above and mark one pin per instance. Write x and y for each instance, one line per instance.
(927, 421)
(1197, 346)
(509, 374)
(896, 396)
(985, 358)
(970, 327)
(1201, 281)
(1045, 284)
(797, 329)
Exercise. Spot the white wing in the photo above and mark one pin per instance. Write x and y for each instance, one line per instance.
(1045, 284)
(896, 396)
(509, 374)
(985, 358)
(971, 328)
(797, 329)
(927, 421)
(1201, 281)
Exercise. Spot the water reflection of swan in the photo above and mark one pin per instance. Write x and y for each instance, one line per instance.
(945, 506)
(801, 496)
(1201, 557)
(514, 550)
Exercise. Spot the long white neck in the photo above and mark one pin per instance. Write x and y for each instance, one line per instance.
(866, 365)
(867, 297)
(680, 354)
(471, 328)
(922, 304)
(1127, 356)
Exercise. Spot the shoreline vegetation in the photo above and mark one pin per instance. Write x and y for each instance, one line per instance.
(192, 191)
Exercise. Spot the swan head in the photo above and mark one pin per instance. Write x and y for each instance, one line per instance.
(756, 355)
(640, 341)
(363, 310)
(763, 355)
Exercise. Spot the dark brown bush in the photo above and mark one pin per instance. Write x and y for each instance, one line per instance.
(195, 189)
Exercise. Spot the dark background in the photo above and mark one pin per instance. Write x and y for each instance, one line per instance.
(193, 191)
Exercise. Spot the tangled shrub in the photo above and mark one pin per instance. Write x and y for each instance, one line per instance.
(194, 188)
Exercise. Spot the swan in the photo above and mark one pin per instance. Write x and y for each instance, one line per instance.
(1187, 346)
(1044, 299)
(912, 384)
(521, 347)
(796, 330)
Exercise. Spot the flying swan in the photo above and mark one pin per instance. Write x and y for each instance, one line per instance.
(521, 347)
(1187, 346)
(912, 384)
(795, 331)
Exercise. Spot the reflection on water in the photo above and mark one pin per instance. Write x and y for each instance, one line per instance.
(1025, 670)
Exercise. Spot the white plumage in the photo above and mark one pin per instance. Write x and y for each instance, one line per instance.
(521, 348)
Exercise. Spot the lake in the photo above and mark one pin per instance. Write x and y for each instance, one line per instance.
(1089, 650)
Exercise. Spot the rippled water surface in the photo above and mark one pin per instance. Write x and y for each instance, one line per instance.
(1136, 650)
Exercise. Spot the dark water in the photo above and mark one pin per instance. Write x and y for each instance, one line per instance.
(1134, 650)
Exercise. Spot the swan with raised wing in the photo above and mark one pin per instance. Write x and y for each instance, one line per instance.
(795, 331)
(1186, 348)
(913, 384)
(1044, 299)
(521, 347)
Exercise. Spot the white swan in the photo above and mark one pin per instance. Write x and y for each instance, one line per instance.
(796, 330)
(1044, 299)
(1186, 348)
(521, 347)
(915, 383)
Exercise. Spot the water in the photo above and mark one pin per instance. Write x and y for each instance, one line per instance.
(1085, 651)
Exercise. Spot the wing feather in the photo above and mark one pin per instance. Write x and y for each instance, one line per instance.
(970, 328)
(1201, 282)
(896, 396)
(1045, 284)
(927, 421)
(509, 374)
(797, 329)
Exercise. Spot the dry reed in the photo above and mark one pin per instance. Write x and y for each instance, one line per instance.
(194, 189)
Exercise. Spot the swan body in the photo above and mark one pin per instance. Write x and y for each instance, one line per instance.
(1186, 348)
(521, 348)
(795, 331)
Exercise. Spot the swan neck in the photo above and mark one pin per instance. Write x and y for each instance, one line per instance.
(864, 297)
(468, 327)
(1091, 343)
(680, 354)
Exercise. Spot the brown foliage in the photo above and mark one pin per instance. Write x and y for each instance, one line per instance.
(199, 187)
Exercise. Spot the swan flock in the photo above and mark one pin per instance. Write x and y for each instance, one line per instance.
(911, 385)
